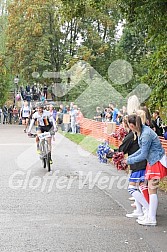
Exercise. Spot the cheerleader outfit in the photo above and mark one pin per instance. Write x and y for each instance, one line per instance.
(151, 150)
(139, 191)
(157, 170)
(130, 146)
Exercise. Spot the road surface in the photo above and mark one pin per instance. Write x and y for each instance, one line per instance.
(80, 206)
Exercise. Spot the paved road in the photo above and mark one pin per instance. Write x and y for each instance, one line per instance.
(63, 210)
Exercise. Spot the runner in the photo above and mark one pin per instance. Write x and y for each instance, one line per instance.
(25, 113)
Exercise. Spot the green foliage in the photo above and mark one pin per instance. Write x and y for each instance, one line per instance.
(4, 71)
(156, 77)
(53, 35)
(143, 44)
(47, 35)
(4, 82)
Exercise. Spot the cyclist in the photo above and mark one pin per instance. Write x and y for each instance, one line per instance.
(45, 122)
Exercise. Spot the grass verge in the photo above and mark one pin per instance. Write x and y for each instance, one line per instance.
(86, 142)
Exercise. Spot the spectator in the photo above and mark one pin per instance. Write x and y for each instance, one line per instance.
(28, 88)
(15, 114)
(71, 105)
(64, 109)
(33, 89)
(42, 98)
(157, 123)
(165, 132)
(124, 111)
(10, 113)
(60, 116)
(52, 111)
(151, 150)
(79, 118)
(45, 92)
(67, 107)
(119, 118)
(35, 96)
(98, 115)
(136, 180)
(114, 112)
(73, 114)
(148, 116)
(133, 104)
(5, 114)
(1, 116)
(103, 115)
(22, 93)
(28, 98)
(109, 114)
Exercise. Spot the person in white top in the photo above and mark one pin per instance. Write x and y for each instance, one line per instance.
(45, 123)
(25, 113)
(73, 114)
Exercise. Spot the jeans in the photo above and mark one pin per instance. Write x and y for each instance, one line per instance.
(73, 126)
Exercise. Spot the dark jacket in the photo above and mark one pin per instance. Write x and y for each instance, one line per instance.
(157, 124)
(130, 146)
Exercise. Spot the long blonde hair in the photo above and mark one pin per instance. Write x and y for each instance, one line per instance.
(133, 104)
(142, 115)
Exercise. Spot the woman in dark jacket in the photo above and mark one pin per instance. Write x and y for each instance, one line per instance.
(136, 180)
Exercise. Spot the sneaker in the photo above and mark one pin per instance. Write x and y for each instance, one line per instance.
(135, 214)
(24, 130)
(144, 210)
(141, 218)
(38, 151)
(131, 198)
(133, 205)
(147, 222)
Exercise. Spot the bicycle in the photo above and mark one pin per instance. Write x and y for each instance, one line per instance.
(45, 151)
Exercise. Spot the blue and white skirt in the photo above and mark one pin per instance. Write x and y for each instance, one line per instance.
(138, 176)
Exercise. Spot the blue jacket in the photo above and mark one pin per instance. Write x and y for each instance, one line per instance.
(150, 147)
(114, 115)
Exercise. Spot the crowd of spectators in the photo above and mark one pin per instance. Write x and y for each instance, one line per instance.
(36, 92)
(113, 114)
(69, 117)
(9, 115)
(110, 114)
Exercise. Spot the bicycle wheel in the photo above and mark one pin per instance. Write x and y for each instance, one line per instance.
(42, 154)
(48, 156)
(44, 162)
(48, 162)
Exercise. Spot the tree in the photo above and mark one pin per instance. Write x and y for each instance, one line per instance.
(4, 67)
(144, 43)
(53, 35)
